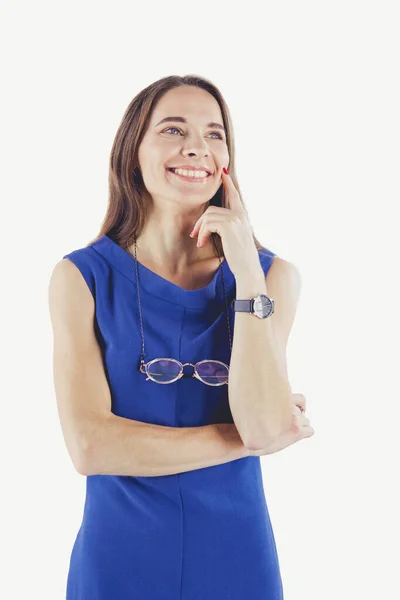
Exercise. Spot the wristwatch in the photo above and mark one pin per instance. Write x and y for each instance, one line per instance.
(261, 306)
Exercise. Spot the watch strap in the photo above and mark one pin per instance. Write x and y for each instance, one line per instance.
(243, 305)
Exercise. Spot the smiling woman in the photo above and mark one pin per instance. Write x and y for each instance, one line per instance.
(188, 104)
(175, 505)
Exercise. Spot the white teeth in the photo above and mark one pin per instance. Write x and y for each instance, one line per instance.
(186, 173)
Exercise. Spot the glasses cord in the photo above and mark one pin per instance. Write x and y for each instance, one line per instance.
(140, 307)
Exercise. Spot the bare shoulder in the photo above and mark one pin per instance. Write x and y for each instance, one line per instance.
(66, 273)
(68, 292)
(284, 273)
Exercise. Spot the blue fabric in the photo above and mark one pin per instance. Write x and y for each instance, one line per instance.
(199, 535)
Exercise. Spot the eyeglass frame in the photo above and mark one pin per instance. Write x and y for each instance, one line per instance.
(144, 366)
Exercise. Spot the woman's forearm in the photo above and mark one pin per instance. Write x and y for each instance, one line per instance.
(259, 391)
(120, 446)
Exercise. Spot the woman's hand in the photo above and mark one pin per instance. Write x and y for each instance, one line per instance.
(300, 429)
(233, 226)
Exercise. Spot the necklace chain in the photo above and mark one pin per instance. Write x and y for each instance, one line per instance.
(140, 307)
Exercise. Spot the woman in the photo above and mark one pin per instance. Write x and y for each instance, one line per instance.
(143, 345)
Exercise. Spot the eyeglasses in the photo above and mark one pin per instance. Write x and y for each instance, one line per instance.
(168, 370)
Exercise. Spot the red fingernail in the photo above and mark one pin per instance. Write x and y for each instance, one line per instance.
(225, 171)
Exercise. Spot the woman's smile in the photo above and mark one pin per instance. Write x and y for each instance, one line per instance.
(188, 178)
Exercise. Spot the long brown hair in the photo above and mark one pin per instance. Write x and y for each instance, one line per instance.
(128, 201)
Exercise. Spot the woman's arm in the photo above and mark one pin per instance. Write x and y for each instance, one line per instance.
(259, 388)
(98, 441)
(120, 446)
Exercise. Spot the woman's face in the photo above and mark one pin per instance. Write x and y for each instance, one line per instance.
(174, 143)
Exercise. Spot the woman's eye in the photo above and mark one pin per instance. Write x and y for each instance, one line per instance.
(169, 129)
(176, 129)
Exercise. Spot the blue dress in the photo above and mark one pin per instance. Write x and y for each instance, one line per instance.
(204, 534)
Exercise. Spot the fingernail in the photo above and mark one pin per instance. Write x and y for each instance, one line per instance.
(191, 233)
(225, 170)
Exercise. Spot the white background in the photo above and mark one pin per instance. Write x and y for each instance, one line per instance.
(313, 92)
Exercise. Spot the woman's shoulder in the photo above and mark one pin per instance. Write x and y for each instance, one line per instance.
(88, 262)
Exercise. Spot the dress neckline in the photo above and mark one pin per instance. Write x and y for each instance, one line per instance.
(155, 284)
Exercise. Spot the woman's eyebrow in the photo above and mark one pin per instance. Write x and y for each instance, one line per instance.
(183, 120)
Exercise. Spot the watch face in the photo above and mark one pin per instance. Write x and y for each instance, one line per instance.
(263, 306)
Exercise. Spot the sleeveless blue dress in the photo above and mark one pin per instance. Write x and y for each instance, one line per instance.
(204, 534)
